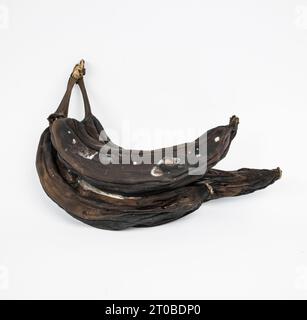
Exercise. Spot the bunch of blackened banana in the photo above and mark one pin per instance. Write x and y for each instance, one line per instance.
(109, 187)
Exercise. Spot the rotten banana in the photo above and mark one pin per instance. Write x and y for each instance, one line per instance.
(129, 192)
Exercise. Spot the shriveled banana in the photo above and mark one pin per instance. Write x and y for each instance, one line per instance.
(80, 148)
(118, 196)
(106, 210)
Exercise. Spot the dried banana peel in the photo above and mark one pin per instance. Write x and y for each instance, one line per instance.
(109, 187)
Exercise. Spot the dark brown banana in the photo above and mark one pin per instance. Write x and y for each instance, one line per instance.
(218, 183)
(130, 178)
(239, 182)
(112, 211)
(80, 151)
(119, 196)
(104, 210)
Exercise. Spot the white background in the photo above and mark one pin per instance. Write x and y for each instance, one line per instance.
(158, 66)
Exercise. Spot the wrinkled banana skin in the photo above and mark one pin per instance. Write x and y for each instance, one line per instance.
(120, 196)
(108, 212)
(79, 152)
(112, 213)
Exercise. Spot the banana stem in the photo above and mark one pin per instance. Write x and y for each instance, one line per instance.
(79, 70)
(75, 78)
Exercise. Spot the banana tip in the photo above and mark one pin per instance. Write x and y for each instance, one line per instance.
(234, 121)
(279, 171)
(233, 125)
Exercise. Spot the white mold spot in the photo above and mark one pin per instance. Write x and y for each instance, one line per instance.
(210, 189)
(217, 139)
(74, 141)
(87, 155)
(156, 172)
(69, 132)
(88, 187)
